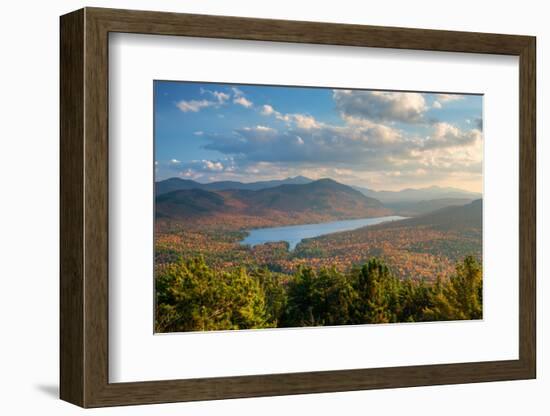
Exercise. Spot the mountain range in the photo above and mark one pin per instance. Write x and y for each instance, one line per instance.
(457, 218)
(415, 208)
(388, 198)
(177, 184)
(324, 198)
(420, 194)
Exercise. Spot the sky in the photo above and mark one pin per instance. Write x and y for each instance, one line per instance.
(382, 140)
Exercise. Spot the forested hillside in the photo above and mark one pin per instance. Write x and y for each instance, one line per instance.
(318, 201)
(190, 296)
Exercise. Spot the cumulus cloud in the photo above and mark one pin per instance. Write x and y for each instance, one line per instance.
(262, 128)
(210, 165)
(302, 121)
(196, 169)
(305, 121)
(219, 98)
(441, 99)
(406, 107)
(243, 101)
(193, 105)
(381, 138)
(446, 135)
(189, 174)
(267, 110)
(382, 132)
(445, 98)
(359, 146)
(240, 99)
(309, 141)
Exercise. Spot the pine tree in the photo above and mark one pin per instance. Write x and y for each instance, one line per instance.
(192, 297)
(461, 296)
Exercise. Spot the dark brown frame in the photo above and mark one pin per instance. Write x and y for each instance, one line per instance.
(84, 207)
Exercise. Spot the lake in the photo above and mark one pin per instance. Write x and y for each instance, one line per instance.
(293, 234)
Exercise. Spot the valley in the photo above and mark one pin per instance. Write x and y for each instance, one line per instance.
(194, 221)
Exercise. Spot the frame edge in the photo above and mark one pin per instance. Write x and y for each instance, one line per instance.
(528, 208)
(72, 298)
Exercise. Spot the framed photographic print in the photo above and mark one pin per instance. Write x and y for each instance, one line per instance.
(256, 207)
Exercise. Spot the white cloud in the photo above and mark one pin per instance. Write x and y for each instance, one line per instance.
(189, 174)
(359, 147)
(213, 166)
(193, 105)
(366, 146)
(302, 121)
(239, 98)
(305, 122)
(221, 97)
(282, 117)
(196, 169)
(406, 107)
(382, 133)
(442, 99)
(267, 110)
(445, 98)
(307, 140)
(446, 135)
(196, 105)
(243, 101)
(264, 128)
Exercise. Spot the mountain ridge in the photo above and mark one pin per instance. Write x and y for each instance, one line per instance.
(175, 184)
(419, 194)
(457, 217)
(407, 195)
(321, 199)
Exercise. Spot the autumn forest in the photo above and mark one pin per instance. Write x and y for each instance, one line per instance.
(280, 207)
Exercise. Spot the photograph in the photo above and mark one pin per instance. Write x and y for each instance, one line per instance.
(282, 206)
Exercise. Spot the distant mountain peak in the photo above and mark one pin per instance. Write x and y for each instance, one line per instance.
(324, 198)
(175, 184)
(419, 194)
(327, 180)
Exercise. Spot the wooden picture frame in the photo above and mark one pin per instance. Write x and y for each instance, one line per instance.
(84, 207)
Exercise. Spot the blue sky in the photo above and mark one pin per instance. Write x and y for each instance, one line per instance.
(377, 139)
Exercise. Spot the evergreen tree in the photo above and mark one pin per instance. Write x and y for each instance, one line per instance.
(461, 297)
(192, 297)
(378, 294)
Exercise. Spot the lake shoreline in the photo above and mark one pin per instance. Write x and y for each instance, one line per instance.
(294, 234)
